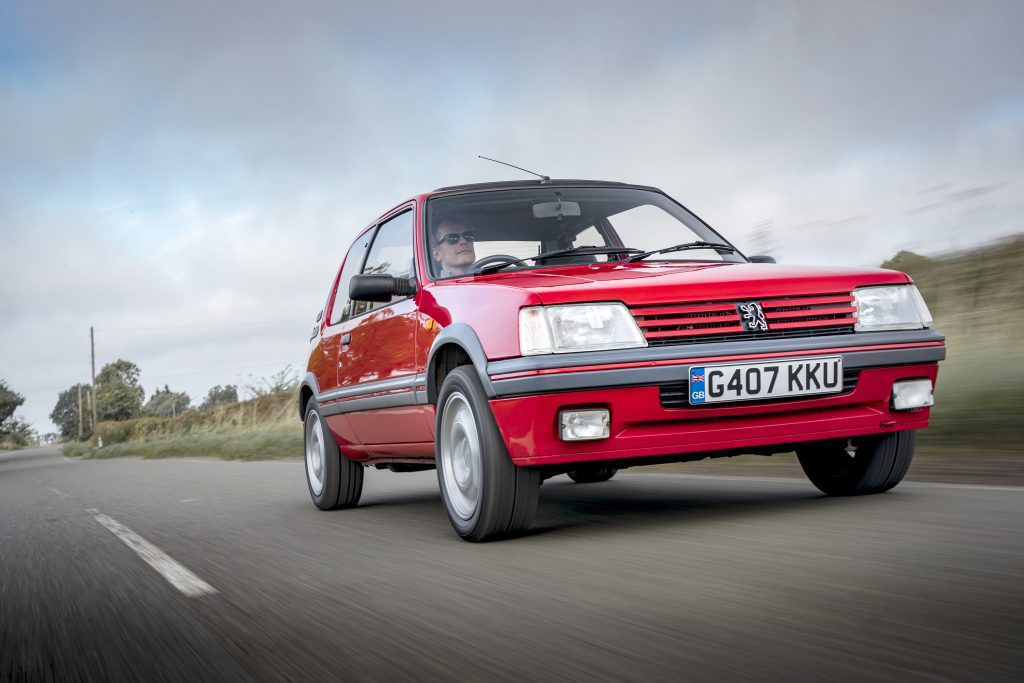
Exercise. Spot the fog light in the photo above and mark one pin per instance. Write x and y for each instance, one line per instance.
(584, 425)
(915, 393)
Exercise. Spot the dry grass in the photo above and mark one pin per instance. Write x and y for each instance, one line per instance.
(264, 443)
(258, 429)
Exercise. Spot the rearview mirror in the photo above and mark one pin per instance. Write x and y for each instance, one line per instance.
(379, 287)
(556, 209)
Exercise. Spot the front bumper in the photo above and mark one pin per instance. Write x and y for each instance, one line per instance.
(527, 401)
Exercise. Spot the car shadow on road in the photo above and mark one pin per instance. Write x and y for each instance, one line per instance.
(566, 507)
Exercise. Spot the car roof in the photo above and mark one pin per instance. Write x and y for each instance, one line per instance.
(514, 184)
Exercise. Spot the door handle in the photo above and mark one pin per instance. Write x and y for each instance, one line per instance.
(346, 338)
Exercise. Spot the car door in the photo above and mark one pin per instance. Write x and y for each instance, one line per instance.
(338, 312)
(328, 354)
(377, 361)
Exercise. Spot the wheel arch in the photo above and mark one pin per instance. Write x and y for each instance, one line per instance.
(308, 389)
(456, 345)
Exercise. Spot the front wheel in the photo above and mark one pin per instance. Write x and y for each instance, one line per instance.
(485, 495)
(864, 464)
(334, 481)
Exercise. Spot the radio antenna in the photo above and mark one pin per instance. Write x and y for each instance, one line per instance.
(543, 178)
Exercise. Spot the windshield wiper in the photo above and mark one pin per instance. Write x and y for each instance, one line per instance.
(557, 253)
(686, 246)
(584, 251)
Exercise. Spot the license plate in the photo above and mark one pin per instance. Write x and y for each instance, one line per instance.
(758, 381)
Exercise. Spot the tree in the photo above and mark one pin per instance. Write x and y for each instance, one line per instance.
(65, 413)
(280, 382)
(219, 395)
(14, 431)
(118, 394)
(9, 401)
(167, 403)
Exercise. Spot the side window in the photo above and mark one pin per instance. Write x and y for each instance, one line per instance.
(589, 238)
(391, 253)
(341, 310)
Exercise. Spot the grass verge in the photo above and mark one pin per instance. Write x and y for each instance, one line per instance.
(278, 441)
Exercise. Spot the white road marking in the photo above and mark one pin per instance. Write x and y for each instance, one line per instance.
(188, 500)
(59, 492)
(175, 574)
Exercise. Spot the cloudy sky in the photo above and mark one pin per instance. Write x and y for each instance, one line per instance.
(185, 176)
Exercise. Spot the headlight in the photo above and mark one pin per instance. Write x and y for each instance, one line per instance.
(583, 327)
(890, 308)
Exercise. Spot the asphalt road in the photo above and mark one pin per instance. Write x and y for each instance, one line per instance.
(649, 577)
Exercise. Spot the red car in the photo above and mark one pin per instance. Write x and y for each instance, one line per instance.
(508, 332)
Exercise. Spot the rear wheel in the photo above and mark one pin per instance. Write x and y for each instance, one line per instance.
(485, 495)
(865, 464)
(591, 475)
(334, 481)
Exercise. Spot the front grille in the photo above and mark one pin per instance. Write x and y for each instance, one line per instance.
(677, 394)
(784, 334)
(798, 316)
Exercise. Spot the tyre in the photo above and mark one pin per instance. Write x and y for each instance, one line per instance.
(334, 481)
(866, 464)
(591, 475)
(485, 495)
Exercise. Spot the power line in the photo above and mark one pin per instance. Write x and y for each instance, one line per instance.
(219, 370)
(210, 371)
(194, 327)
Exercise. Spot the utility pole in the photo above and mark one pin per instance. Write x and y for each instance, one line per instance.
(92, 349)
(79, 412)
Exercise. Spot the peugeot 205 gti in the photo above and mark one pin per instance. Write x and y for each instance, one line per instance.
(509, 332)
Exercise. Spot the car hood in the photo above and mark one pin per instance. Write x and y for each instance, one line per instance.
(649, 283)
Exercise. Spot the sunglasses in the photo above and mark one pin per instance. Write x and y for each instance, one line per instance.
(452, 238)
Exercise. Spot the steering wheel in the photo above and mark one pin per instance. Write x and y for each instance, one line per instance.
(493, 258)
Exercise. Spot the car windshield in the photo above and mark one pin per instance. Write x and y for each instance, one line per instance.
(584, 223)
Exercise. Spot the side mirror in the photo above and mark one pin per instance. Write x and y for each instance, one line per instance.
(379, 287)
(763, 258)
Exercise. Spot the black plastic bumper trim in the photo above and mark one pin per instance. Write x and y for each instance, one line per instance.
(729, 348)
(656, 376)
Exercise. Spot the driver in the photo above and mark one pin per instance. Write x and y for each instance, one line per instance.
(453, 247)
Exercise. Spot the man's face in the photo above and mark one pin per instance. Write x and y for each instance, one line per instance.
(454, 258)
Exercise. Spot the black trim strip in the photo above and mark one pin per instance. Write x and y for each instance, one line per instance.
(405, 398)
(653, 376)
(406, 382)
(730, 348)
